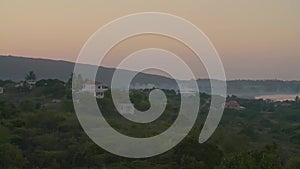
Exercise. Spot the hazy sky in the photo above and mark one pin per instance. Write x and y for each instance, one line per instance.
(256, 39)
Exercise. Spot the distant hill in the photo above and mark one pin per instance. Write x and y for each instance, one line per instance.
(15, 68)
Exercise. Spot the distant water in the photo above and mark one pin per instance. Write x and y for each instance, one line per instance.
(278, 97)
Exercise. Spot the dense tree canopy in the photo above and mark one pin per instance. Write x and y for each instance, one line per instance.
(36, 132)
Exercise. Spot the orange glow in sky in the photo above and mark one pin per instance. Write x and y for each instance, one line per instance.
(255, 39)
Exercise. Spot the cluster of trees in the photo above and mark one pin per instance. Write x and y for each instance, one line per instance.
(40, 139)
(37, 134)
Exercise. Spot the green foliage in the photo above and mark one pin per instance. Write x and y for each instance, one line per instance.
(36, 133)
(293, 163)
(52, 88)
(27, 106)
(67, 105)
(11, 157)
(30, 76)
(190, 162)
(7, 110)
(295, 139)
(205, 155)
(5, 134)
(267, 158)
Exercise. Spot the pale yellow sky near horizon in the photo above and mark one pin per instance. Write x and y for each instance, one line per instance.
(255, 39)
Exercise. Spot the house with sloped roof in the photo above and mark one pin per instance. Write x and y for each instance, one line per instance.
(233, 105)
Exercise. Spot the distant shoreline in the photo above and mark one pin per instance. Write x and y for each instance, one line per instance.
(278, 97)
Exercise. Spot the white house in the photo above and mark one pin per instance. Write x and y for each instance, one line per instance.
(1, 90)
(186, 92)
(126, 108)
(21, 84)
(94, 87)
(30, 83)
(56, 101)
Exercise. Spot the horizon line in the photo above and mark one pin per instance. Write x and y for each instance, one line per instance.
(206, 78)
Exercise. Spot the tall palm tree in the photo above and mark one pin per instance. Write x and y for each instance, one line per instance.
(30, 76)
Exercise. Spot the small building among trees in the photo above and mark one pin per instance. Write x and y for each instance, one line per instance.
(1, 90)
(30, 79)
(126, 108)
(233, 105)
(96, 88)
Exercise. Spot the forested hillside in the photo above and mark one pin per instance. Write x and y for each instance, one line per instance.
(39, 129)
